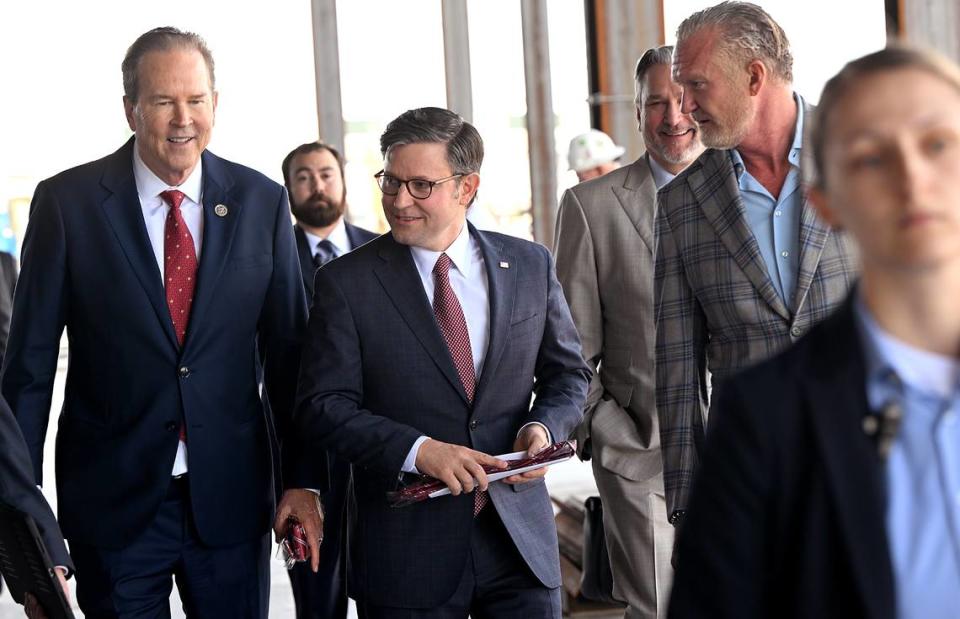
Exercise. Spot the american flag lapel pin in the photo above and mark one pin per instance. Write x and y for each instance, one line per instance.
(504, 264)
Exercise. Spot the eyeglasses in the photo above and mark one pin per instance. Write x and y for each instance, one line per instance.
(419, 188)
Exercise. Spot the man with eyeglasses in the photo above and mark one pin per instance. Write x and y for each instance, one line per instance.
(313, 175)
(423, 349)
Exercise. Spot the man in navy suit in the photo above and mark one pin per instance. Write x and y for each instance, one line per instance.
(313, 174)
(422, 351)
(176, 276)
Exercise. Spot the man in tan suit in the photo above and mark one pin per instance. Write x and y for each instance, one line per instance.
(604, 250)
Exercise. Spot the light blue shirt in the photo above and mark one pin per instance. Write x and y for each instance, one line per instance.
(922, 469)
(775, 223)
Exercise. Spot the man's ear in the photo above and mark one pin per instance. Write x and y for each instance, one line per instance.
(820, 203)
(128, 110)
(758, 76)
(468, 188)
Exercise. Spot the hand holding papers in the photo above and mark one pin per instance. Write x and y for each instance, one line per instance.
(519, 462)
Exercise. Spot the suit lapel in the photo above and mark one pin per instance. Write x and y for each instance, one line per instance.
(352, 236)
(399, 277)
(502, 290)
(714, 183)
(125, 215)
(217, 235)
(855, 478)
(306, 259)
(814, 233)
(639, 182)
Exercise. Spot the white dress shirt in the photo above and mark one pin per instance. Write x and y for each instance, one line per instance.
(155, 210)
(337, 237)
(468, 278)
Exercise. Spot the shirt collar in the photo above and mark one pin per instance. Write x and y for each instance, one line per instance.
(660, 175)
(795, 149)
(887, 356)
(337, 237)
(460, 253)
(149, 185)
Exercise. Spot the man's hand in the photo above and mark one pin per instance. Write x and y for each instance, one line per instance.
(460, 468)
(533, 439)
(303, 505)
(31, 605)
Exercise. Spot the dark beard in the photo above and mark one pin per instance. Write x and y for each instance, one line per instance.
(318, 212)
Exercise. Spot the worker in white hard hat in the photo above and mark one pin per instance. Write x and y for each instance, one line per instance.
(593, 154)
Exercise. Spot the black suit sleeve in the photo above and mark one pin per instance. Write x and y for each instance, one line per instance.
(331, 389)
(280, 330)
(39, 316)
(720, 546)
(18, 490)
(562, 376)
(8, 273)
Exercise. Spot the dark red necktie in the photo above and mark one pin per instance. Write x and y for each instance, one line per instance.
(179, 269)
(179, 264)
(453, 327)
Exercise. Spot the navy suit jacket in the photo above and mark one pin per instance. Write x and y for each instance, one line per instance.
(88, 266)
(355, 234)
(17, 487)
(787, 513)
(376, 374)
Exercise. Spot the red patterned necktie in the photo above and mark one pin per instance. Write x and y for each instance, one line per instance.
(453, 327)
(179, 264)
(179, 270)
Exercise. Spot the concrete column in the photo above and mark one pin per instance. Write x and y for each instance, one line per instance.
(326, 59)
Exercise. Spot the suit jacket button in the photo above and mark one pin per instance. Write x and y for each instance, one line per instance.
(796, 332)
(184, 371)
(171, 426)
(474, 424)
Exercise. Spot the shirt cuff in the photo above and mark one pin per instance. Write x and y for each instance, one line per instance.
(536, 423)
(410, 463)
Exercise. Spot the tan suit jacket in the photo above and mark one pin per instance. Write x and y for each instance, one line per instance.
(604, 253)
(605, 250)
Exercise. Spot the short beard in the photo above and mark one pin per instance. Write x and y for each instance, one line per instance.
(729, 137)
(318, 213)
(684, 157)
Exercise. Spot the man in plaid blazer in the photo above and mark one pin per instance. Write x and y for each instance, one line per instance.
(744, 266)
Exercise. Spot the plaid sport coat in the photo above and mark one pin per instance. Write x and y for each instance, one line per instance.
(715, 308)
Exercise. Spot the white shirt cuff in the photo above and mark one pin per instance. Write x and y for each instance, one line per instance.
(536, 423)
(410, 463)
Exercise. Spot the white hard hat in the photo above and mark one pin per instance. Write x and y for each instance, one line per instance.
(590, 149)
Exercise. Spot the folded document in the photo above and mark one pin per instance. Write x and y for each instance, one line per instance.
(519, 462)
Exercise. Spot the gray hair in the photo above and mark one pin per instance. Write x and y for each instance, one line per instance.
(749, 33)
(161, 39)
(651, 57)
(438, 126)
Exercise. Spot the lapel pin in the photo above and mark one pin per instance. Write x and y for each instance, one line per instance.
(504, 265)
(220, 210)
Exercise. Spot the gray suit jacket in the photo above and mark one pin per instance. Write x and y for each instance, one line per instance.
(715, 306)
(604, 249)
(377, 375)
